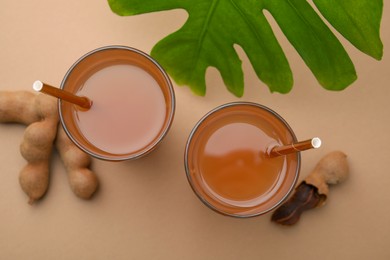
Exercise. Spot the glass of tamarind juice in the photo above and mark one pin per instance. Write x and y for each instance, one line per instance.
(227, 160)
(132, 98)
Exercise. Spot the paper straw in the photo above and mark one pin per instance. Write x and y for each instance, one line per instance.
(296, 147)
(83, 102)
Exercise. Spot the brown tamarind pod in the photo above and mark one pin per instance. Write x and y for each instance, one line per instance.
(313, 191)
(36, 148)
(39, 113)
(305, 197)
(82, 180)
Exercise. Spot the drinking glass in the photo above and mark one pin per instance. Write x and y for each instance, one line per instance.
(227, 159)
(133, 103)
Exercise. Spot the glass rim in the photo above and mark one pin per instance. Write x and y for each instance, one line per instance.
(169, 119)
(189, 141)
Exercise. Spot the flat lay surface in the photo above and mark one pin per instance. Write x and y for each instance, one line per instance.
(145, 208)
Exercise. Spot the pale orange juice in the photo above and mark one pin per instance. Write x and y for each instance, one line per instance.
(228, 164)
(132, 103)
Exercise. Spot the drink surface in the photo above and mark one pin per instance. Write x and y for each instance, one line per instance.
(234, 164)
(128, 109)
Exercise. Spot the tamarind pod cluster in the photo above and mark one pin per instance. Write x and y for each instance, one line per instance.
(40, 114)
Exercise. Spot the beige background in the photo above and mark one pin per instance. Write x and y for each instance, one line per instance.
(145, 209)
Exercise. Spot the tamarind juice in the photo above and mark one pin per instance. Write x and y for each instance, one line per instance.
(132, 103)
(125, 116)
(227, 161)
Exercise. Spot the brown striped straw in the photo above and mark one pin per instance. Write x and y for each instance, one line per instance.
(82, 102)
(296, 147)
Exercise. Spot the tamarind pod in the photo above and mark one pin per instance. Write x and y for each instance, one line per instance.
(18, 107)
(305, 197)
(36, 149)
(82, 180)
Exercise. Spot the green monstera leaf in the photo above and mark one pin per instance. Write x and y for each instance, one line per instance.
(215, 26)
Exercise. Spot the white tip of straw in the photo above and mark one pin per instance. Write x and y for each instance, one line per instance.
(316, 142)
(37, 85)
